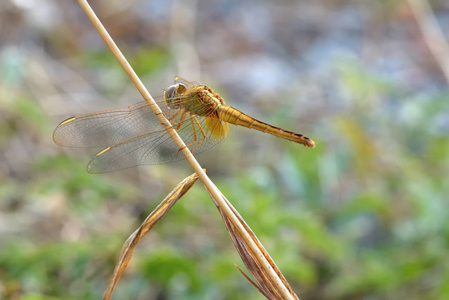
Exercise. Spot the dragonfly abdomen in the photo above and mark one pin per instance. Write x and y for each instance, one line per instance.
(236, 117)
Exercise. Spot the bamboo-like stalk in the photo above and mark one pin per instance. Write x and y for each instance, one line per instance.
(258, 256)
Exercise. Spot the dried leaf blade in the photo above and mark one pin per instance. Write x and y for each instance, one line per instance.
(156, 215)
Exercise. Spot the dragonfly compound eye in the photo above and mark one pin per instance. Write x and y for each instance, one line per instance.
(169, 96)
(181, 88)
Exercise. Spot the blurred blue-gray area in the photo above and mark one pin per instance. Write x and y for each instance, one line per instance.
(362, 216)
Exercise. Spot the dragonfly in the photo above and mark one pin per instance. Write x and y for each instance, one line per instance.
(133, 136)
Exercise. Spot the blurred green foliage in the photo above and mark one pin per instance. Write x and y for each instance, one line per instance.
(382, 231)
(362, 216)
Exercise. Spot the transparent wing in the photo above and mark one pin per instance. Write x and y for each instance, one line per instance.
(104, 128)
(198, 133)
(100, 129)
(134, 136)
(186, 82)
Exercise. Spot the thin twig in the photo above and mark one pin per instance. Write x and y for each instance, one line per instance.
(210, 186)
(432, 33)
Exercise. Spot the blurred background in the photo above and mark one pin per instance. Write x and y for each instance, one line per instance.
(362, 216)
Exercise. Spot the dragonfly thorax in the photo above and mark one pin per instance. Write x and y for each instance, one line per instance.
(198, 100)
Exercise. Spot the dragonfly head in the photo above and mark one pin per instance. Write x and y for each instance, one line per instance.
(173, 94)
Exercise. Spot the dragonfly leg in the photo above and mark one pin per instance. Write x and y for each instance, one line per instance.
(176, 125)
(193, 119)
(173, 115)
(181, 121)
(168, 112)
(195, 139)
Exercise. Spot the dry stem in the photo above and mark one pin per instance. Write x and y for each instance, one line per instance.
(212, 189)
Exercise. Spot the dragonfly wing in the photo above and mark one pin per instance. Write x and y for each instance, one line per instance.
(187, 83)
(148, 148)
(198, 133)
(104, 128)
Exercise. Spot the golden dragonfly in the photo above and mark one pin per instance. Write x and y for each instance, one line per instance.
(134, 136)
